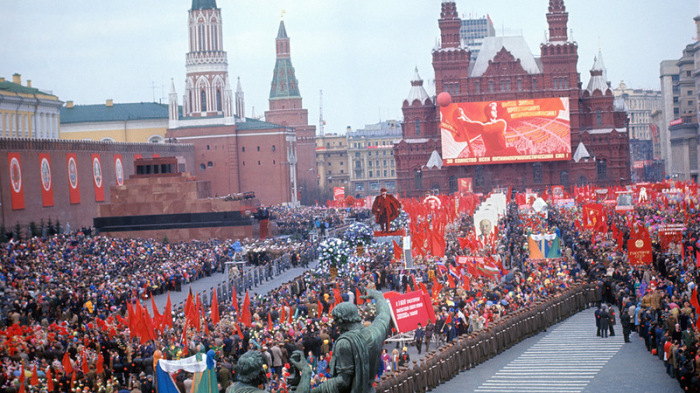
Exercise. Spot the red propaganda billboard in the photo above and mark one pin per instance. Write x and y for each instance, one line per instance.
(410, 309)
(497, 132)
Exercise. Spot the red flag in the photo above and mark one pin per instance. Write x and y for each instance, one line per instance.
(358, 297)
(21, 379)
(463, 242)
(451, 281)
(437, 287)
(215, 310)
(397, 251)
(85, 367)
(206, 325)
(269, 322)
(320, 307)
(100, 363)
(35, 377)
(49, 379)
(291, 314)
(184, 341)
(694, 300)
(283, 315)
(337, 296)
(189, 304)
(196, 313)
(245, 311)
(157, 318)
(697, 258)
(465, 283)
(238, 331)
(168, 313)
(67, 367)
(449, 318)
(130, 319)
(423, 288)
(148, 322)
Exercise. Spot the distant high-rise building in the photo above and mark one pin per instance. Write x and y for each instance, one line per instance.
(473, 31)
(640, 105)
(680, 84)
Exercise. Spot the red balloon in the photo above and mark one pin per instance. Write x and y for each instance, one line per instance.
(444, 99)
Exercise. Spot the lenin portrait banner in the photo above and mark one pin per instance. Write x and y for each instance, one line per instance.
(16, 183)
(97, 178)
(46, 179)
(73, 181)
(499, 132)
(119, 169)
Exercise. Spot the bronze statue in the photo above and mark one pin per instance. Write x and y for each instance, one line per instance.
(250, 373)
(356, 353)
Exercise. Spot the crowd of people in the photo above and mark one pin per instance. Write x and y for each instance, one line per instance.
(57, 321)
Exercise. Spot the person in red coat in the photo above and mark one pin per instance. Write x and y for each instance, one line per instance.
(385, 208)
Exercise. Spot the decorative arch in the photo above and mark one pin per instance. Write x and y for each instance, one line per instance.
(107, 139)
(156, 139)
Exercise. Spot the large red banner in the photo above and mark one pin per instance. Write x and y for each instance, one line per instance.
(639, 246)
(119, 169)
(46, 180)
(17, 187)
(410, 309)
(464, 185)
(97, 179)
(338, 194)
(73, 181)
(497, 132)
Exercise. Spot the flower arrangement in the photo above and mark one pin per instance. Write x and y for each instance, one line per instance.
(333, 252)
(401, 222)
(358, 233)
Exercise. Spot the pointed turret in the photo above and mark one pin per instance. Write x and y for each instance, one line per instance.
(598, 79)
(557, 18)
(284, 82)
(417, 92)
(240, 103)
(172, 106)
(228, 104)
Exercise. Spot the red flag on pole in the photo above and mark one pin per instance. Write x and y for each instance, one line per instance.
(451, 281)
(85, 367)
(100, 363)
(67, 367)
(269, 322)
(215, 310)
(358, 297)
(49, 379)
(157, 317)
(245, 311)
(35, 377)
(337, 296)
(21, 379)
(397, 251)
(168, 313)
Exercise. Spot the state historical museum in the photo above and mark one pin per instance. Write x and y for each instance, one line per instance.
(510, 119)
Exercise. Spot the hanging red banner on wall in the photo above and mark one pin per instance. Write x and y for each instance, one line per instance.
(46, 179)
(73, 181)
(97, 179)
(17, 188)
(119, 169)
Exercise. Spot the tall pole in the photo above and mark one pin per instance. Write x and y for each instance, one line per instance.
(321, 123)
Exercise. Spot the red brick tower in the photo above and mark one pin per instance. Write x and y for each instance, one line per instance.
(286, 109)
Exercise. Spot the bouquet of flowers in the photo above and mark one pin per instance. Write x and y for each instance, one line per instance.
(358, 233)
(401, 222)
(332, 252)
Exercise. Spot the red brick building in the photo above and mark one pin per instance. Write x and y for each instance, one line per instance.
(59, 179)
(286, 109)
(234, 153)
(505, 69)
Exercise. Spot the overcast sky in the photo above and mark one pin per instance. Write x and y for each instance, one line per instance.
(360, 53)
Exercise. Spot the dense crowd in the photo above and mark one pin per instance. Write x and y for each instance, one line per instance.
(58, 320)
